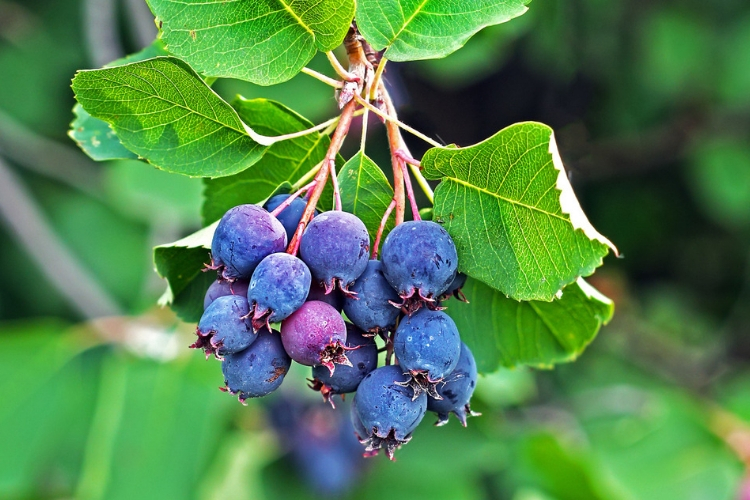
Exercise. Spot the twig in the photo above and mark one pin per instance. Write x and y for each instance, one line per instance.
(269, 140)
(336, 191)
(288, 201)
(338, 68)
(389, 119)
(410, 193)
(416, 170)
(323, 78)
(383, 223)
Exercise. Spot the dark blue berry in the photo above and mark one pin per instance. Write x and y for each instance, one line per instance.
(278, 287)
(427, 345)
(334, 298)
(245, 235)
(220, 288)
(387, 409)
(419, 260)
(224, 328)
(372, 309)
(336, 248)
(291, 215)
(315, 334)
(454, 290)
(456, 390)
(346, 379)
(257, 370)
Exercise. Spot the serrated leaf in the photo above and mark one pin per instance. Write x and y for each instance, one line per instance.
(512, 213)
(263, 41)
(181, 263)
(164, 112)
(429, 29)
(284, 161)
(94, 136)
(366, 192)
(504, 332)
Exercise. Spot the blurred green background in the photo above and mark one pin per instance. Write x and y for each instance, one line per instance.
(650, 101)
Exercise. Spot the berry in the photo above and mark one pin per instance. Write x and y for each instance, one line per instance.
(291, 215)
(428, 346)
(456, 390)
(220, 288)
(389, 411)
(244, 236)
(257, 370)
(419, 257)
(278, 287)
(364, 359)
(223, 328)
(336, 247)
(318, 292)
(315, 334)
(454, 290)
(372, 309)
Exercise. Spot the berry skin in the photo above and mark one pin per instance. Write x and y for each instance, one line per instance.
(220, 288)
(419, 257)
(315, 334)
(278, 287)
(291, 215)
(245, 235)
(456, 390)
(427, 345)
(257, 370)
(318, 292)
(223, 328)
(372, 309)
(336, 247)
(346, 379)
(454, 290)
(389, 411)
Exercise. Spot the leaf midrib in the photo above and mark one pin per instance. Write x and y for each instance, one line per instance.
(297, 18)
(414, 14)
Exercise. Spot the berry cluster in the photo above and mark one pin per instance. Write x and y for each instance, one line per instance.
(396, 299)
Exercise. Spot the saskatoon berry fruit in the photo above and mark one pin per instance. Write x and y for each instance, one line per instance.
(336, 247)
(220, 288)
(388, 410)
(291, 215)
(372, 309)
(364, 359)
(419, 257)
(454, 290)
(318, 292)
(223, 328)
(245, 235)
(257, 370)
(428, 346)
(456, 390)
(315, 334)
(278, 287)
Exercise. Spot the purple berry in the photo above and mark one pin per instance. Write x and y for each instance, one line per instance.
(315, 334)
(456, 390)
(372, 309)
(220, 288)
(257, 370)
(427, 345)
(223, 328)
(346, 379)
(245, 235)
(336, 248)
(278, 287)
(389, 411)
(419, 261)
(291, 215)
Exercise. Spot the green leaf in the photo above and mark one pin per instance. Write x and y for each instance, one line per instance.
(284, 161)
(366, 192)
(263, 41)
(181, 263)
(164, 112)
(428, 29)
(512, 213)
(505, 332)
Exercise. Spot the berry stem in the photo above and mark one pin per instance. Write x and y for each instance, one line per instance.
(276, 211)
(410, 192)
(383, 222)
(336, 191)
(395, 142)
(323, 78)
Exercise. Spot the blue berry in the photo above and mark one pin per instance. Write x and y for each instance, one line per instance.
(315, 334)
(244, 236)
(291, 215)
(454, 290)
(346, 379)
(278, 287)
(427, 345)
(336, 247)
(220, 288)
(372, 309)
(257, 370)
(419, 261)
(456, 390)
(223, 327)
(388, 411)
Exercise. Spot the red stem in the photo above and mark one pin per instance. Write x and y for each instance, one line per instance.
(379, 234)
(291, 198)
(336, 192)
(395, 143)
(410, 191)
